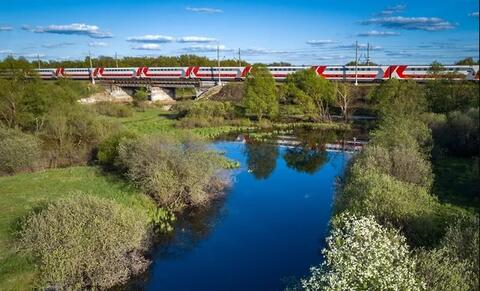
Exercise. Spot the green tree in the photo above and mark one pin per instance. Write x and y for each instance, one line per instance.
(467, 62)
(260, 93)
(312, 92)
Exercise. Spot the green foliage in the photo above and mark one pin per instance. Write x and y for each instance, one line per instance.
(458, 134)
(205, 113)
(162, 219)
(260, 93)
(363, 255)
(113, 109)
(313, 93)
(176, 175)
(399, 98)
(108, 149)
(18, 151)
(467, 62)
(445, 95)
(86, 242)
(454, 265)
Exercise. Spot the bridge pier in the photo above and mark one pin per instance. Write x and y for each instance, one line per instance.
(163, 95)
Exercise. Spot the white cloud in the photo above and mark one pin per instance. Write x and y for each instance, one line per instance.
(393, 9)
(377, 33)
(5, 28)
(57, 45)
(261, 51)
(97, 44)
(195, 39)
(411, 23)
(151, 38)
(360, 46)
(207, 48)
(206, 10)
(320, 42)
(147, 47)
(92, 31)
(474, 14)
(6, 52)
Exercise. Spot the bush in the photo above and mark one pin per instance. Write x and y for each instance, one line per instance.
(84, 242)
(71, 134)
(113, 109)
(454, 265)
(451, 95)
(175, 174)
(108, 149)
(363, 255)
(18, 151)
(392, 202)
(405, 164)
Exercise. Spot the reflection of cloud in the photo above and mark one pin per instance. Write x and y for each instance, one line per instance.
(411, 23)
(320, 42)
(205, 10)
(474, 14)
(57, 45)
(92, 31)
(151, 38)
(147, 47)
(5, 28)
(97, 44)
(195, 39)
(207, 48)
(377, 33)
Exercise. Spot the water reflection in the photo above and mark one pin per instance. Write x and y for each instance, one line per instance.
(305, 160)
(261, 158)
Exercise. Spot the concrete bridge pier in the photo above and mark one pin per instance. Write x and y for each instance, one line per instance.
(163, 95)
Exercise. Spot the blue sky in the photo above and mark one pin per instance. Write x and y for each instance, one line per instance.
(300, 32)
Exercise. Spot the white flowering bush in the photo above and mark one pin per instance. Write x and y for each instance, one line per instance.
(363, 255)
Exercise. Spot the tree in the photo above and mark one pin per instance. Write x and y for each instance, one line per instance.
(312, 92)
(436, 69)
(399, 98)
(363, 255)
(343, 98)
(467, 62)
(260, 93)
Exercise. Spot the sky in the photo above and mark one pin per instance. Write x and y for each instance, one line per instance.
(302, 32)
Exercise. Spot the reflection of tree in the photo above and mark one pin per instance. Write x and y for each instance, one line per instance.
(315, 138)
(305, 160)
(261, 159)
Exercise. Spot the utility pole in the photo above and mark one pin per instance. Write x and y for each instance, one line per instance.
(91, 66)
(368, 54)
(218, 65)
(356, 63)
(239, 58)
(116, 59)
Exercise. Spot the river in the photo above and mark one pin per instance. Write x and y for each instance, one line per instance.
(266, 232)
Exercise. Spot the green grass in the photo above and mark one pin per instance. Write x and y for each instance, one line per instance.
(22, 193)
(457, 181)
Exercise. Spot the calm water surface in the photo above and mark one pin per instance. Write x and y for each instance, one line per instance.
(266, 232)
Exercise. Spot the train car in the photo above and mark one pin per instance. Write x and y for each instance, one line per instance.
(422, 73)
(164, 73)
(281, 73)
(214, 73)
(46, 74)
(117, 73)
(76, 73)
(350, 73)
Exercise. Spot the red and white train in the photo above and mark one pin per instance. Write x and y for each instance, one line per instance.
(340, 73)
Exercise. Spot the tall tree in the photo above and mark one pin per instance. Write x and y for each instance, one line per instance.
(344, 98)
(312, 92)
(260, 93)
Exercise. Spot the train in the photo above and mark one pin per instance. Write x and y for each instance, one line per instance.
(330, 72)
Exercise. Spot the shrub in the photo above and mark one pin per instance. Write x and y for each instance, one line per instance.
(403, 163)
(108, 149)
(363, 255)
(392, 202)
(260, 93)
(454, 265)
(175, 174)
(113, 109)
(18, 151)
(84, 242)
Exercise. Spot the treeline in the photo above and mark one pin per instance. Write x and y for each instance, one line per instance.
(389, 230)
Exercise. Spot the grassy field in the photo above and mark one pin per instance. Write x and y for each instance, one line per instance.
(21, 193)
